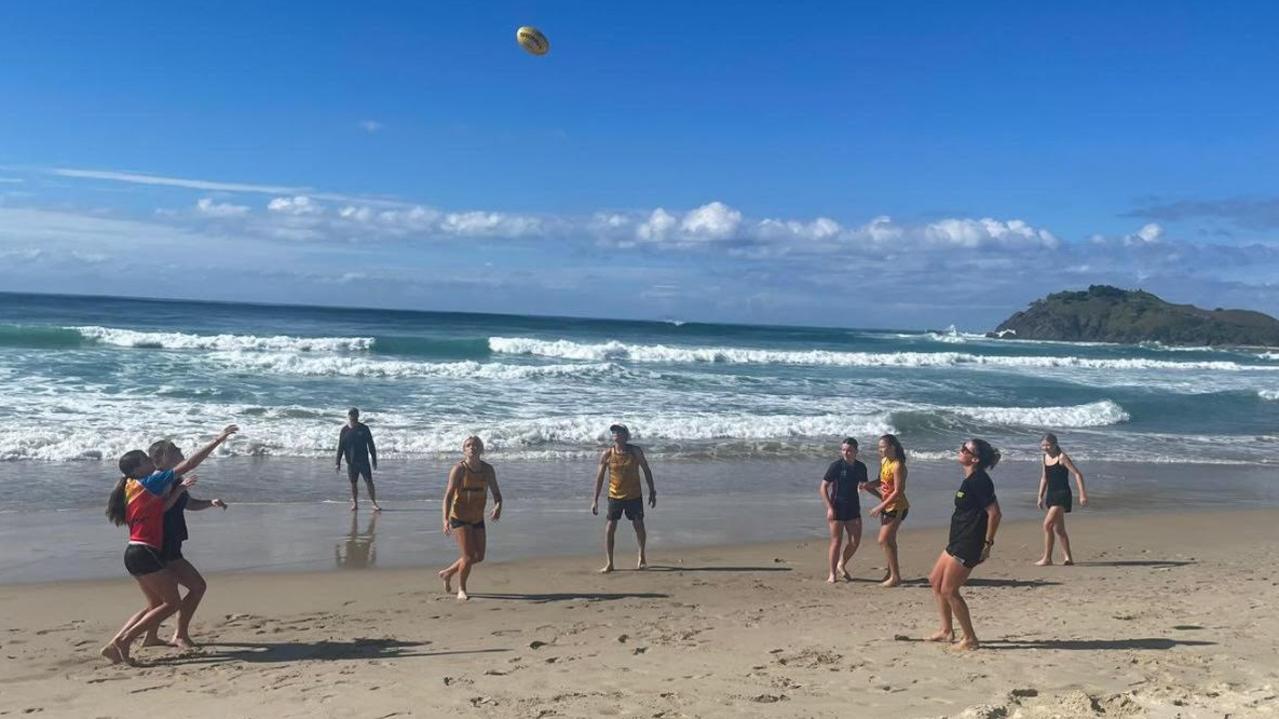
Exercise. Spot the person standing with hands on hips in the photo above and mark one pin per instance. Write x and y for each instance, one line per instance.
(355, 444)
(623, 462)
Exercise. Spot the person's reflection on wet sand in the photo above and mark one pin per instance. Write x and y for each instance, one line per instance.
(357, 550)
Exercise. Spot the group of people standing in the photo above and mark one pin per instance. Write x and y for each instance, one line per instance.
(973, 524)
(153, 493)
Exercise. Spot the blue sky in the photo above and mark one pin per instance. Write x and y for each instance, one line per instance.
(888, 164)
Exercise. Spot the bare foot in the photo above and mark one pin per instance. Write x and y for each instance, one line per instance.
(942, 636)
(1069, 562)
(830, 579)
(184, 643)
(155, 641)
(448, 580)
(112, 653)
(607, 568)
(887, 576)
(966, 645)
(462, 596)
(843, 574)
(1044, 563)
(376, 508)
(121, 650)
(354, 506)
(891, 582)
(642, 564)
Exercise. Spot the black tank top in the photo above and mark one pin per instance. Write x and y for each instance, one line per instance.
(1058, 478)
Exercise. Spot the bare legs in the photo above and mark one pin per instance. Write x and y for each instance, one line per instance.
(888, 540)
(368, 484)
(839, 561)
(187, 576)
(161, 591)
(1055, 524)
(641, 538)
(948, 575)
(471, 545)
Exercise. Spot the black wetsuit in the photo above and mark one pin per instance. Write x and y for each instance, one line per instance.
(968, 523)
(355, 444)
(842, 479)
(1057, 493)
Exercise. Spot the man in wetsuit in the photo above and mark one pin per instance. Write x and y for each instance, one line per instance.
(356, 445)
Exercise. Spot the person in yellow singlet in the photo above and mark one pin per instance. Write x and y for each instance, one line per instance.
(893, 506)
(622, 463)
(470, 481)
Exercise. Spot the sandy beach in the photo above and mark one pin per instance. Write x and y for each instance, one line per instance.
(1166, 615)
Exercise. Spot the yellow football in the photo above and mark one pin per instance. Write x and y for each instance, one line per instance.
(532, 40)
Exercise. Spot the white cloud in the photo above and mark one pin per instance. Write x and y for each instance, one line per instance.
(297, 205)
(987, 232)
(141, 179)
(714, 220)
(370, 126)
(1148, 234)
(657, 227)
(208, 207)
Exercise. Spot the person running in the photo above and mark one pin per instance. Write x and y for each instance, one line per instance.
(1054, 493)
(972, 535)
(166, 455)
(139, 499)
(843, 509)
(470, 481)
(893, 507)
(623, 462)
(355, 444)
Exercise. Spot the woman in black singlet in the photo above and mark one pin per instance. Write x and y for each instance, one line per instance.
(1054, 494)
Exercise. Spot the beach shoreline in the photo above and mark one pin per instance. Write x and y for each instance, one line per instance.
(1164, 612)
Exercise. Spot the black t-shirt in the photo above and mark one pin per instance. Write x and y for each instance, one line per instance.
(356, 444)
(845, 478)
(175, 522)
(968, 523)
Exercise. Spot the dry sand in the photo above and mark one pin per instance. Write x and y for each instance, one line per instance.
(1166, 616)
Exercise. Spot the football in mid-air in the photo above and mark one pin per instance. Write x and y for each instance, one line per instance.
(532, 40)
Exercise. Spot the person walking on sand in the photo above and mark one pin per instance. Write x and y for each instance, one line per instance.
(164, 454)
(355, 444)
(893, 507)
(470, 481)
(972, 535)
(139, 499)
(838, 490)
(1054, 493)
(623, 462)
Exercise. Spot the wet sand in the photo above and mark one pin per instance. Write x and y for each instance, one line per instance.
(1165, 615)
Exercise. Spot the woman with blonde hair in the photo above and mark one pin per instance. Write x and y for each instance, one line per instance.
(470, 481)
(893, 507)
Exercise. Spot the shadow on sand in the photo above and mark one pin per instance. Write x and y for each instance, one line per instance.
(569, 596)
(972, 582)
(270, 652)
(682, 568)
(1094, 644)
(1136, 563)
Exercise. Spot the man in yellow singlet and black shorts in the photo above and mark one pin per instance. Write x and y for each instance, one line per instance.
(623, 462)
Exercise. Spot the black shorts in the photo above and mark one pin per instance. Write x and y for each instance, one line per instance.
(846, 511)
(968, 555)
(172, 551)
(633, 508)
(1059, 499)
(886, 517)
(141, 560)
(457, 523)
(353, 472)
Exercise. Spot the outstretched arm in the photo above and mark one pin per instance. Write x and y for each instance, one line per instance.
(203, 453)
(648, 477)
(177, 490)
(1079, 477)
(197, 505)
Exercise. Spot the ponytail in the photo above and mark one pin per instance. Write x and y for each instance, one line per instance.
(987, 456)
(116, 503)
(898, 449)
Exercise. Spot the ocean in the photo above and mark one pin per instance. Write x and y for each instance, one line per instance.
(87, 378)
